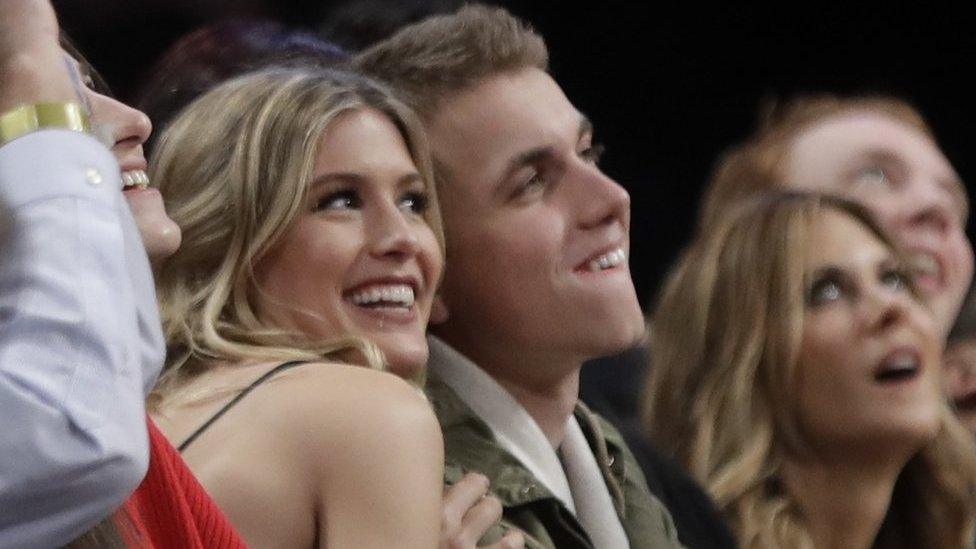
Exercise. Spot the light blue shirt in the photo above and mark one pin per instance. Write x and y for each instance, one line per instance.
(80, 340)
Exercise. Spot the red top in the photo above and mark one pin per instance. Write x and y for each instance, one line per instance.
(171, 509)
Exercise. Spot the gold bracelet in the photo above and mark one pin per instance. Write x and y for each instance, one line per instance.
(28, 118)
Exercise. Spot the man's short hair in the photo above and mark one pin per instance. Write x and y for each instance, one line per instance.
(446, 54)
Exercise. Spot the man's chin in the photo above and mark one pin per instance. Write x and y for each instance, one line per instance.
(614, 336)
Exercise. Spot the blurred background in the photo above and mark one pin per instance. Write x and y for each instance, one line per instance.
(668, 86)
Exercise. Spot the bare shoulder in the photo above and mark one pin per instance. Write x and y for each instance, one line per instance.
(337, 408)
(321, 386)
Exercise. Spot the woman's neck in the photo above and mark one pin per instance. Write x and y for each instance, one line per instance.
(843, 503)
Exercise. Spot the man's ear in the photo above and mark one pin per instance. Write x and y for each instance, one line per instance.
(438, 311)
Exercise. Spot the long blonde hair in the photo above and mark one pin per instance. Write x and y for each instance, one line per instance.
(725, 342)
(234, 170)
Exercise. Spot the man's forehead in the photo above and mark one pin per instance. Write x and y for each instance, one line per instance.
(515, 100)
(503, 115)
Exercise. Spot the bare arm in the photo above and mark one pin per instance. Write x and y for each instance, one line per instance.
(381, 486)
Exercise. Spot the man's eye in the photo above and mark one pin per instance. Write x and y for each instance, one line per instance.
(873, 175)
(895, 279)
(593, 153)
(415, 202)
(339, 200)
(531, 185)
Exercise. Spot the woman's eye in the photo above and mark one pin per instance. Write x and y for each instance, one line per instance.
(593, 153)
(87, 80)
(340, 200)
(415, 202)
(823, 292)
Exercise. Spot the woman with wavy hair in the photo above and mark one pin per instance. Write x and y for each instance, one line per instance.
(878, 151)
(797, 376)
(311, 245)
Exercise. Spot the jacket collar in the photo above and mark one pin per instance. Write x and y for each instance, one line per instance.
(471, 445)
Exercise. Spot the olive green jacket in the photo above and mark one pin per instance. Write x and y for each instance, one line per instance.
(470, 446)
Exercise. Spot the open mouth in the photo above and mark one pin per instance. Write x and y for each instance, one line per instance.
(899, 366)
(383, 297)
(604, 261)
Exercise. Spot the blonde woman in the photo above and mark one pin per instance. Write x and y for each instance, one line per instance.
(309, 227)
(797, 376)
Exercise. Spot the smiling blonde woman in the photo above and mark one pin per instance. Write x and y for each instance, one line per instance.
(311, 245)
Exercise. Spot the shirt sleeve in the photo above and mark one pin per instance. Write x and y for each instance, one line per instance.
(80, 341)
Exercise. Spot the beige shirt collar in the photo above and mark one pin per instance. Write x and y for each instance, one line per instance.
(576, 480)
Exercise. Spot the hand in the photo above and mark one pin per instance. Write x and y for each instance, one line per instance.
(469, 511)
(31, 59)
(25, 25)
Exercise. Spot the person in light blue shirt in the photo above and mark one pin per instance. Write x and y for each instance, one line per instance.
(80, 338)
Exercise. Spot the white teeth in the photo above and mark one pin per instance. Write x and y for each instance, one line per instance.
(902, 365)
(607, 260)
(924, 264)
(134, 178)
(903, 362)
(397, 295)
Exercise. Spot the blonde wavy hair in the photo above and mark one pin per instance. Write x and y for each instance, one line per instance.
(234, 170)
(725, 341)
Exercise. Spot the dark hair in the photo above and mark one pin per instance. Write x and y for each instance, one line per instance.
(215, 53)
(358, 24)
(99, 85)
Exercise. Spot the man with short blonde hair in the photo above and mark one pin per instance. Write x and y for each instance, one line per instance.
(536, 282)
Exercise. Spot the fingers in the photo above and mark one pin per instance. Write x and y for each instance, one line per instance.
(468, 512)
(25, 22)
(460, 497)
(31, 60)
(479, 519)
(513, 539)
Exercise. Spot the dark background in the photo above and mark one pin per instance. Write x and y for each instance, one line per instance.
(668, 87)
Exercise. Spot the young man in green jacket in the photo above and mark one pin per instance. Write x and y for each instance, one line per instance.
(536, 282)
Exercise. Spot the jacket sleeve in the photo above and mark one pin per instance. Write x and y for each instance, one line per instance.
(79, 339)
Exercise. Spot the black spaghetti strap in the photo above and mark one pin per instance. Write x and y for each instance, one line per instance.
(237, 399)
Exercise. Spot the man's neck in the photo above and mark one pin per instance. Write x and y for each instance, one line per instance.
(549, 404)
(547, 389)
